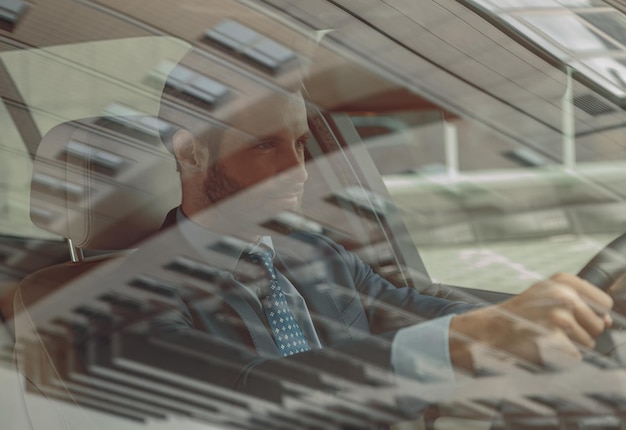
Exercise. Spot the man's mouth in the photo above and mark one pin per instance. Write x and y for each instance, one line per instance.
(292, 196)
(295, 192)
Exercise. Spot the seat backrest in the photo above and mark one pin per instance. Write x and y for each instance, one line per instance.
(101, 183)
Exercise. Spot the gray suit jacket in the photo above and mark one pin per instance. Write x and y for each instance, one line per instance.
(356, 314)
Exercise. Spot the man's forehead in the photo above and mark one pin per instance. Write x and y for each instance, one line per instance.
(271, 115)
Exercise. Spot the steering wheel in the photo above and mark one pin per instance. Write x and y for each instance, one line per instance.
(604, 270)
(608, 265)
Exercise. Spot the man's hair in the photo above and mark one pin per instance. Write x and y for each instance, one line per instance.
(184, 111)
(172, 110)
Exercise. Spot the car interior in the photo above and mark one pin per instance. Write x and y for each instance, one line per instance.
(465, 149)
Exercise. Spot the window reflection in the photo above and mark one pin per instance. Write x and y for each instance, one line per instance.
(203, 89)
(139, 121)
(258, 48)
(568, 31)
(612, 24)
(10, 12)
(571, 31)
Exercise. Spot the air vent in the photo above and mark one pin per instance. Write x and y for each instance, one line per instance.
(99, 160)
(59, 188)
(10, 12)
(194, 269)
(41, 216)
(592, 105)
(190, 85)
(130, 118)
(364, 201)
(154, 286)
(526, 157)
(253, 46)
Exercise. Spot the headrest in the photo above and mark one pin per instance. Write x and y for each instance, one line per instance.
(104, 182)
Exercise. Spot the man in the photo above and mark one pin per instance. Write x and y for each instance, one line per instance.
(234, 178)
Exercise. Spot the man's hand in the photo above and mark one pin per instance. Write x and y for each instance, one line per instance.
(546, 324)
(617, 291)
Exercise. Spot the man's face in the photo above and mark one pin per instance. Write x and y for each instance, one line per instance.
(258, 169)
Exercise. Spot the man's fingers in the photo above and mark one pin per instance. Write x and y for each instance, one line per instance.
(592, 310)
(557, 351)
(608, 320)
(576, 308)
(565, 321)
(549, 322)
(588, 319)
(597, 299)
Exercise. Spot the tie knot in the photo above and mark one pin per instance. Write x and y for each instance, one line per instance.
(261, 256)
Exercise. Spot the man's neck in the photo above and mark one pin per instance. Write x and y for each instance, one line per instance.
(215, 220)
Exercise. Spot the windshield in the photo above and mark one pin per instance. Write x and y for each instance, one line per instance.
(166, 168)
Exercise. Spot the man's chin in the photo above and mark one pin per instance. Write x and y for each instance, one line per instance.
(290, 203)
(247, 210)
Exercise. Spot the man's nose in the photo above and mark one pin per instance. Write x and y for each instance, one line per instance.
(292, 165)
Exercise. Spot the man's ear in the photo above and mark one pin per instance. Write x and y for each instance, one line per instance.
(186, 150)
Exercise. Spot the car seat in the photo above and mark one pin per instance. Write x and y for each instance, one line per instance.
(102, 185)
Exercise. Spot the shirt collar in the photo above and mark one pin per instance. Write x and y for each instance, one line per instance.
(205, 241)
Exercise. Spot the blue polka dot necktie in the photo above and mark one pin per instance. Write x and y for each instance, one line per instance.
(286, 330)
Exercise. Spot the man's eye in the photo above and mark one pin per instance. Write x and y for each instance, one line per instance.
(302, 143)
(264, 145)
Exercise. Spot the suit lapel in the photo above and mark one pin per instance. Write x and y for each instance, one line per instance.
(314, 280)
(241, 302)
(220, 321)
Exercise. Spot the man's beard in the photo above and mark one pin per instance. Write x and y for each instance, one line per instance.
(218, 185)
(220, 188)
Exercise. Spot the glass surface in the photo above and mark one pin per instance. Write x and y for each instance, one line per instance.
(612, 24)
(519, 4)
(237, 32)
(10, 10)
(407, 166)
(538, 4)
(610, 69)
(569, 32)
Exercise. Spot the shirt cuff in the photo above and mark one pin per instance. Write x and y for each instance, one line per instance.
(421, 353)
